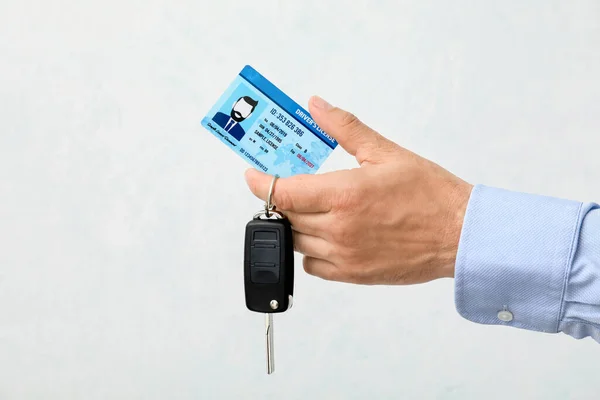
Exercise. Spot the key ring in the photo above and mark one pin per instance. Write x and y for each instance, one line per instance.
(269, 206)
(270, 210)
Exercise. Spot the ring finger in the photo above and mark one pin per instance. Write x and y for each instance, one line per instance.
(308, 223)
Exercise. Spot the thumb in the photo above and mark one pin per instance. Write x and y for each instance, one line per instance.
(355, 137)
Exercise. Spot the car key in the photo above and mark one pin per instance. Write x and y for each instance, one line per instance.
(269, 268)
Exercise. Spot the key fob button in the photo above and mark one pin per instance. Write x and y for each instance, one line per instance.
(264, 275)
(266, 254)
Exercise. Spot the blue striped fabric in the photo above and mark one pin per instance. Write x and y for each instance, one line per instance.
(535, 256)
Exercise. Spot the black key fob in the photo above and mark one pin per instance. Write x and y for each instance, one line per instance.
(269, 264)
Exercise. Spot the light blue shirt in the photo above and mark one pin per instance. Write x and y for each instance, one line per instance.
(530, 262)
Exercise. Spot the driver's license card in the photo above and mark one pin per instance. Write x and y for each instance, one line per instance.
(267, 128)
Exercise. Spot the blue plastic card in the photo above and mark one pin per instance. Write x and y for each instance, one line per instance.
(267, 128)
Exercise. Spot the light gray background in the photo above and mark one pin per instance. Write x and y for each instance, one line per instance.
(122, 219)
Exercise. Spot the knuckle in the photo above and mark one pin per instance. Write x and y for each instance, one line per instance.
(352, 198)
(347, 237)
(353, 255)
(350, 193)
(283, 200)
(344, 200)
(337, 231)
(349, 121)
(326, 252)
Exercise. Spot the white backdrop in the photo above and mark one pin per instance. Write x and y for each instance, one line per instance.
(122, 219)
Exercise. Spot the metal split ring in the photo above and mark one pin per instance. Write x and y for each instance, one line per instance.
(269, 206)
(270, 210)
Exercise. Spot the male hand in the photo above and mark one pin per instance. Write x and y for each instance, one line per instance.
(396, 219)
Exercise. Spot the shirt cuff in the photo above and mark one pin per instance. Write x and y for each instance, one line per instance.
(581, 306)
(513, 258)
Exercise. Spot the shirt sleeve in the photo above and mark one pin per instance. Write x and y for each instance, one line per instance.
(530, 262)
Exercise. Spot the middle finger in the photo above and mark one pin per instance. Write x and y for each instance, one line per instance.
(313, 224)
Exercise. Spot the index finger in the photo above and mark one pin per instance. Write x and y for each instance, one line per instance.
(299, 193)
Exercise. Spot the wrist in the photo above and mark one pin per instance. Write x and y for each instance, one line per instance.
(457, 206)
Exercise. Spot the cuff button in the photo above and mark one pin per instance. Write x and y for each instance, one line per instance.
(505, 316)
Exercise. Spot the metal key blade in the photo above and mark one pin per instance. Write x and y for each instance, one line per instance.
(269, 336)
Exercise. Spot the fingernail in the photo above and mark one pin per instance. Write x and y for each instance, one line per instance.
(321, 104)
